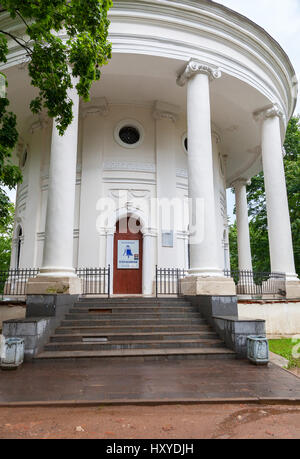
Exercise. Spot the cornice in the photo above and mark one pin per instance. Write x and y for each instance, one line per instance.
(195, 67)
(202, 18)
(209, 10)
(225, 25)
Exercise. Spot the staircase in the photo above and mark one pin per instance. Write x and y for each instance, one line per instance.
(147, 328)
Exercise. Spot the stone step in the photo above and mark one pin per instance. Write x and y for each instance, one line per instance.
(67, 329)
(135, 322)
(144, 354)
(133, 309)
(112, 337)
(129, 316)
(132, 304)
(133, 300)
(96, 346)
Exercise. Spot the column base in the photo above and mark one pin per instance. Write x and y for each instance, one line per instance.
(293, 289)
(208, 286)
(42, 285)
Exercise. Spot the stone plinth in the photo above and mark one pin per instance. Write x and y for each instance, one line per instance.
(207, 286)
(43, 285)
(293, 290)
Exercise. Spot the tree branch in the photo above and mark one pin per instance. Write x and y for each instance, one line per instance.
(21, 17)
(17, 40)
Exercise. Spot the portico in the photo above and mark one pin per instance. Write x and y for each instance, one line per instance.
(183, 118)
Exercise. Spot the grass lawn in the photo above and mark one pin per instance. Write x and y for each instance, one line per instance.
(285, 348)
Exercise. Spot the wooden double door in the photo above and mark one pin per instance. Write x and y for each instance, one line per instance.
(128, 260)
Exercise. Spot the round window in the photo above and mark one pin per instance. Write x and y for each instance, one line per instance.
(129, 135)
(24, 158)
(185, 142)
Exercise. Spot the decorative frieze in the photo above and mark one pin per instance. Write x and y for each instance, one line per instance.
(130, 166)
(195, 67)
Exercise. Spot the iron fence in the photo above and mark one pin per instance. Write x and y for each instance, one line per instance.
(95, 281)
(168, 281)
(258, 284)
(13, 281)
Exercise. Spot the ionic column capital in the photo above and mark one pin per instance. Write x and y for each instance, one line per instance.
(166, 111)
(271, 111)
(195, 67)
(240, 182)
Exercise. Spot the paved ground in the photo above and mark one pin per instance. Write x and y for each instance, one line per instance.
(94, 380)
(159, 422)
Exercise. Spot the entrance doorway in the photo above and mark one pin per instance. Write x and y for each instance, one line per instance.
(128, 258)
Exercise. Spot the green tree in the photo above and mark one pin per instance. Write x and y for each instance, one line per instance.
(84, 51)
(6, 232)
(257, 206)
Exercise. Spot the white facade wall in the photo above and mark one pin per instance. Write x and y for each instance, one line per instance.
(155, 169)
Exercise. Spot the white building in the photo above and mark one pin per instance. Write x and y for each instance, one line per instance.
(180, 70)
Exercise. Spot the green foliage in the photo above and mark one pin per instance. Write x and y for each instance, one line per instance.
(285, 347)
(10, 175)
(84, 50)
(257, 206)
(234, 262)
(6, 231)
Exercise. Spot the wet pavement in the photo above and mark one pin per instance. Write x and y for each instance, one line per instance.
(98, 381)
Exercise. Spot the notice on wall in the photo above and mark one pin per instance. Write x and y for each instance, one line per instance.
(167, 239)
(128, 254)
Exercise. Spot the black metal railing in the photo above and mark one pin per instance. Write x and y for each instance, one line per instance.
(168, 281)
(258, 284)
(13, 281)
(95, 281)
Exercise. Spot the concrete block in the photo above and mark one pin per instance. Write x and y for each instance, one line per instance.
(42, 285)
(42, 326)
(19, 327)
(208, 286)
(293, 290)
(234, 331)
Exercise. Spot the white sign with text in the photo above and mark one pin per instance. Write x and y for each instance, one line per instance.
(129, 254)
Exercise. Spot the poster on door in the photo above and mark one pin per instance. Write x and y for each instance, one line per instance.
(128, 254)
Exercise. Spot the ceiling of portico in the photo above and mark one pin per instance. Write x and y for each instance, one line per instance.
(140, 79)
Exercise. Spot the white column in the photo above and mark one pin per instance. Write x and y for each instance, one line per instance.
(242, 221)
(58, 248)
(110, 254)
(204, 254)
(148, 264)
(279, 226)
